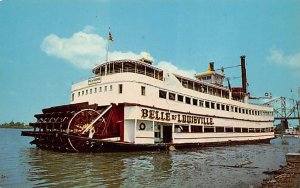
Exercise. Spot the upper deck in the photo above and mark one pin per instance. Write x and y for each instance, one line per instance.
(134, 81)
(134, 66)
(144, 67)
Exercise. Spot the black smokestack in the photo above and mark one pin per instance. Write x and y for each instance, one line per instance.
(244, 74)
(211, 66)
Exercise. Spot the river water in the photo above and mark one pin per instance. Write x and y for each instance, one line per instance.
(22, 165)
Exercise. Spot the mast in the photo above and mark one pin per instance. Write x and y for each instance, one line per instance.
(110, 38)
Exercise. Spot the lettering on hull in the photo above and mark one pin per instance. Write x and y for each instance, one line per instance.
(175, 117)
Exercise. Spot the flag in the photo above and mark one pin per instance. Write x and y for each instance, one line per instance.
(110, 37)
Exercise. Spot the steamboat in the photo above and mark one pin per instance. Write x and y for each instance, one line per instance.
(131, 105)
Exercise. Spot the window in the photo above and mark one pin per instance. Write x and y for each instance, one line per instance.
(195, 102)
(237, 129)
(91, 91)
(105, 88)
(219, 129)
(143, 90)
(187, 100)
(157, 134)
(235, 109)
(201, 103)
(181, 128)
(82, 93)
(196, 129)
(229, 129)
(86, 92)
(209, 129)
(227, 108)
(72, 96)
(95, 90)
(218, 106)
(79, 94)
(223, 107)
(206, 104)
(244, 130)
(100, 89)
(110, 88)
(180, 98)
(162, 94)
(120, 88)
(172, 96)
(243, 111)
(212, 105)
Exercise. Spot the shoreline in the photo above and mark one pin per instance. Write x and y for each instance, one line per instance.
(286, 176)
(16, 127)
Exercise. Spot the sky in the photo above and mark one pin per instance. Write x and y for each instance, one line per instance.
(46, 45)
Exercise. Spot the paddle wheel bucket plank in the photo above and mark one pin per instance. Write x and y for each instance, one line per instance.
(76, 127)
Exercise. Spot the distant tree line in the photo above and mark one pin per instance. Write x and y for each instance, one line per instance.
(13, 124)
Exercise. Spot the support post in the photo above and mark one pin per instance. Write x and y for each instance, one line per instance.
(135, 122)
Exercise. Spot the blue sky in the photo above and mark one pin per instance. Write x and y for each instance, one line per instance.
(47, 45)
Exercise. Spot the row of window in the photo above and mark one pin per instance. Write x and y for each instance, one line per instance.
(177, 97)
(211, 129)
(98, 89)
(94, 90)
(210, 104)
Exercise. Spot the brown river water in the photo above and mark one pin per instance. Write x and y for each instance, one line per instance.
(23, 165)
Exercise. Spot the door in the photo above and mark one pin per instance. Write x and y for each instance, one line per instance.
(167, 134)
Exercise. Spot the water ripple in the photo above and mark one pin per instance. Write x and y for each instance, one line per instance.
(23, 165)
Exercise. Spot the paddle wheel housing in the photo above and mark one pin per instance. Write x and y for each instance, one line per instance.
(77, 127)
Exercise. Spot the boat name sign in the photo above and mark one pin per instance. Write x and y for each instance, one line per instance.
(175, 117)
(94, 80)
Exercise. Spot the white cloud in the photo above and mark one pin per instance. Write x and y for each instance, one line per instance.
(88, 29)
(84, 49)
(277, 56)
(173, 69)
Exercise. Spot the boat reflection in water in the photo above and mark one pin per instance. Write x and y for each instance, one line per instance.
(208, 167)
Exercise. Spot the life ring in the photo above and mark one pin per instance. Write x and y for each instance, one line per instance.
(142, 126)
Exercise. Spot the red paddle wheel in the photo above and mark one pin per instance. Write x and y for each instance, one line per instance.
(77, 127)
